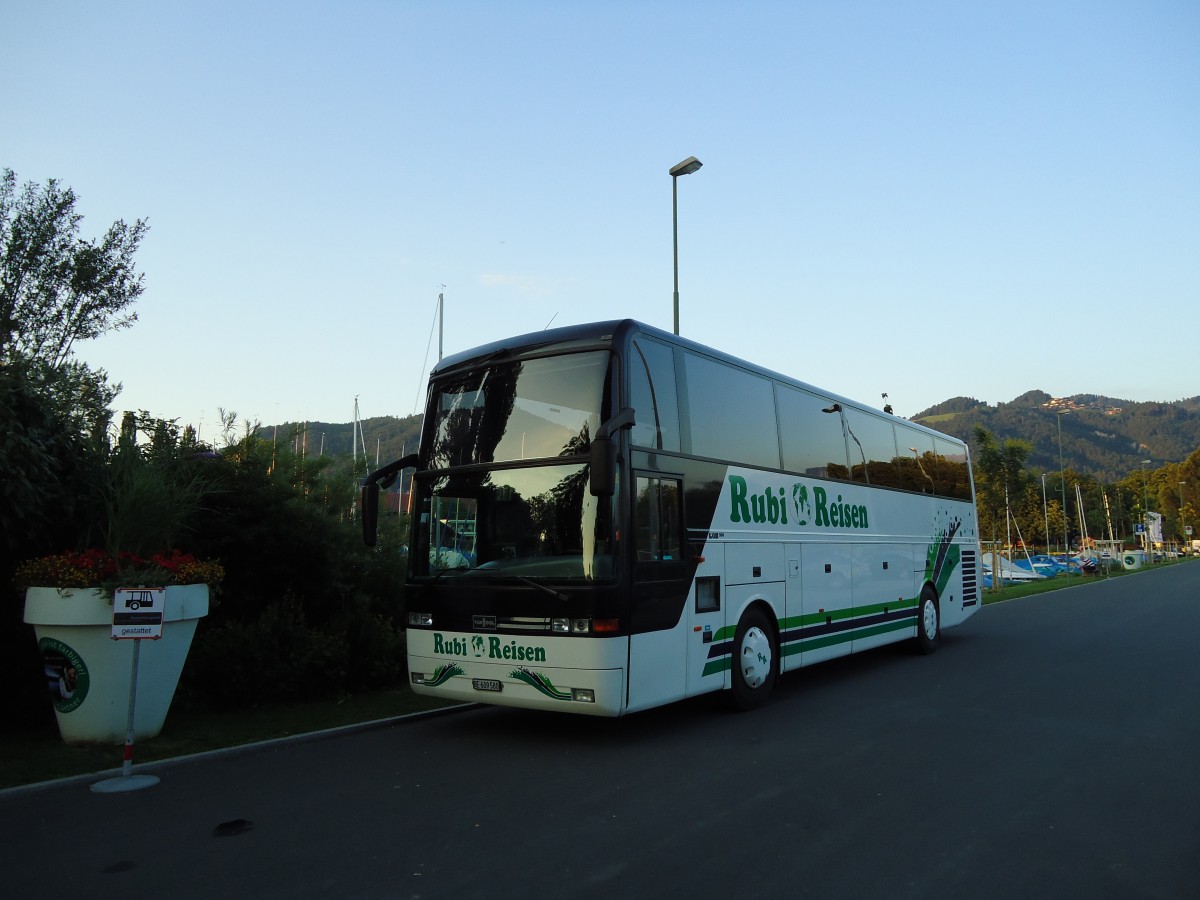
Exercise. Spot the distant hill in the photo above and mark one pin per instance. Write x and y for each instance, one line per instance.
(383, 437)
(1101, 436)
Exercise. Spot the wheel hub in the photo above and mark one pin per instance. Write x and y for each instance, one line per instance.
(929, 616)
(755, 657)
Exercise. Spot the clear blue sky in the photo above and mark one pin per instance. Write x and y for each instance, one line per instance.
(931, 199)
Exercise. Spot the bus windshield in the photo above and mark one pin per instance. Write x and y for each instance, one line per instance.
(531, 409)
(532, 515)
(537, 522)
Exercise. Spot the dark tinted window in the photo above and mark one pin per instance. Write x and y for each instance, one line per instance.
(811, 439)
(732, 413)
(918, 465)
(932, 465)
(872, 448)
(953, 478)
(659, 532)
(524, 410)
(652, 392)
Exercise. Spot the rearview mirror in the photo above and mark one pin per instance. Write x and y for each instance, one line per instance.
(603, 467)
(604, 454)
(370, 494)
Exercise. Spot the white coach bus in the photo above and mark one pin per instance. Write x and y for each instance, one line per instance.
(608, 518)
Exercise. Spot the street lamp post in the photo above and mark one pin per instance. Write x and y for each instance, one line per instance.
(687, 167)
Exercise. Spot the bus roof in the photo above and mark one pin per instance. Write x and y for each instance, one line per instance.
(616, 331)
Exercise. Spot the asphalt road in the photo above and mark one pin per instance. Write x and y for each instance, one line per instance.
(1048, 749)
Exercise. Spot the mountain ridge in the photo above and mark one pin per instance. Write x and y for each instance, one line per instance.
(1103, 437)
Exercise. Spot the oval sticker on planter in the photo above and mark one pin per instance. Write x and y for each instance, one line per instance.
(66, 675)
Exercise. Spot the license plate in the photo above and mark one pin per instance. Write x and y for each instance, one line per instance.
(485, 684)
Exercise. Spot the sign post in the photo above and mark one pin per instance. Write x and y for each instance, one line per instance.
(137, 615)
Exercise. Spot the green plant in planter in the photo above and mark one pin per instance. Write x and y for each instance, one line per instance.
(150, 494)
(145, 499)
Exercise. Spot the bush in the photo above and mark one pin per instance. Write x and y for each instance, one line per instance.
(49, 473)
(308, 610)
(281, 656)
(278, 656)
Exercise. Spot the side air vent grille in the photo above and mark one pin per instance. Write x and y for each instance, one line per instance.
(970, 576)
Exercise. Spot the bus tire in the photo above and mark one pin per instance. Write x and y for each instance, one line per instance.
(755, 660)
(929, 621)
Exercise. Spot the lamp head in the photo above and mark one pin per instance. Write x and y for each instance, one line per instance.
(687, 167)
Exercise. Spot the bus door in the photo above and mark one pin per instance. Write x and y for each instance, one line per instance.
(705, 618)
(659, 592)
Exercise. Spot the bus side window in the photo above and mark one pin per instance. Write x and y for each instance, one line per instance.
(653, 396)
(918, 466)
(953, 479)
(810, 434)
(873, 457)
(657, 519)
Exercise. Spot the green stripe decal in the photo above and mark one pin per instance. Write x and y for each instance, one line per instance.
(442, 674)
(540, 682)
(721, 664)
(831, 629)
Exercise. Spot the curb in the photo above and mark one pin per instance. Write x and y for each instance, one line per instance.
(251, 747)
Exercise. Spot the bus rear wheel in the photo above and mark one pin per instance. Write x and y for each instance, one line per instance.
(756, 660)
(929, 622)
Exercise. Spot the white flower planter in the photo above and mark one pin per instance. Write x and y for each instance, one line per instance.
(87, 672)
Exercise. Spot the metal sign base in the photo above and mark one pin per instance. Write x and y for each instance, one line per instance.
(127, 781)
(124, 783)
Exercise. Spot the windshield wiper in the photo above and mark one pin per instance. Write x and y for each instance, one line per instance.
(545, 588)
(537, 584)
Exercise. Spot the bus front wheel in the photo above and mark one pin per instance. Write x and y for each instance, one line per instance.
(929, 623)
(756, 660)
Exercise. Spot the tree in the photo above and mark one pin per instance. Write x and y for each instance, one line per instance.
(55, 287)
(1000, 478)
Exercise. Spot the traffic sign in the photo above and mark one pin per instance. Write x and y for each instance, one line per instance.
(138, 613)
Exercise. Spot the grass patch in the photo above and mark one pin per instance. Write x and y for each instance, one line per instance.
(1028, 588)
(1013, 591)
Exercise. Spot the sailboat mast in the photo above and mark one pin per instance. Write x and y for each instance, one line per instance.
(1108, 518)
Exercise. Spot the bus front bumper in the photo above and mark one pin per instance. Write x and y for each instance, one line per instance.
(515, 672)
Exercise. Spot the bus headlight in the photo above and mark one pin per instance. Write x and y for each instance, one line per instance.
(571, 626)
(421, 619)
(583, 695)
